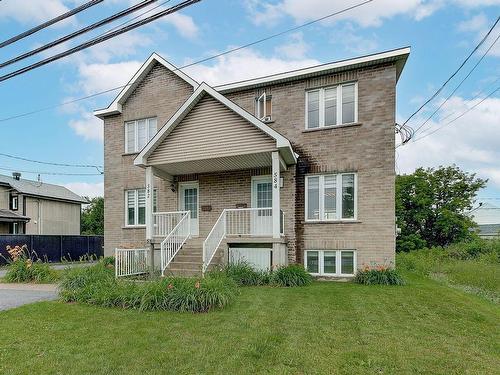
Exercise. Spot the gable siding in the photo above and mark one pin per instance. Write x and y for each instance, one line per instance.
(211, 130)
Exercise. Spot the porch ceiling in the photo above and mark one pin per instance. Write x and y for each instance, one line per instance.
(229, 163)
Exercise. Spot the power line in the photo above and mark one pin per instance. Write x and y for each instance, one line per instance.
(50, 163)
(52, 173)
(459, 85)
(79, 32)
(188, 65)
(459, 116)
(50, 22)
(454, 73)
(99, 39)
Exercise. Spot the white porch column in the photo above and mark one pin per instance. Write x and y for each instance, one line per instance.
(149, 204)
(276, 193)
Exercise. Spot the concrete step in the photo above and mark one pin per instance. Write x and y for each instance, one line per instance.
(183, 273)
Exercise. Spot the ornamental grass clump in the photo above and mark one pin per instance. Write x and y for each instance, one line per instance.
(24, 266)
(97, 285)
(242, 273)
(379, 275)
(290, 276)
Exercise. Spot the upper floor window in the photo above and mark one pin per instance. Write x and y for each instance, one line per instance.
(138, 133)
(331, 197)
(135, 206)
(332, 106)
(263, 107)
(14, 203)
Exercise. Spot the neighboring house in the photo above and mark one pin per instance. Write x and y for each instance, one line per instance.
(34, 207)
(292, 167)
(487, 217)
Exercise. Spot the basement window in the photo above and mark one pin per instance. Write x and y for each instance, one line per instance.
(330, 262)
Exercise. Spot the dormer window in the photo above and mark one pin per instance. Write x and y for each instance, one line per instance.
(263, 107)
(332, 106)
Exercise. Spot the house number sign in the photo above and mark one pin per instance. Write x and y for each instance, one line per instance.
(275, 180)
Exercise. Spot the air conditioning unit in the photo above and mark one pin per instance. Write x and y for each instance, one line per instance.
(266, 118)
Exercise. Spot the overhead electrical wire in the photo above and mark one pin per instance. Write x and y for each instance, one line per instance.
(51, 163)
(84, 30)
(52, 173)
(454, 73)
(50, 22)
(191, 64)
(458, 86)
(99, 39)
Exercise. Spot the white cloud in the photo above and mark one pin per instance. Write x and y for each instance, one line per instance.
(295, 49)
(479, 25)
(33, 11)
(183, 24)
(244, 64)
(471, 142)
(476, 23)
(94, 78)
(86, 189)
(353, 42)
(88, 126)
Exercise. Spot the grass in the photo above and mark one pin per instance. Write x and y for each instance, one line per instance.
(477, 274)
(324, 328)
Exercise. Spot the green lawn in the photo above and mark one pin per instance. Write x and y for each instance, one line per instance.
(326, 328)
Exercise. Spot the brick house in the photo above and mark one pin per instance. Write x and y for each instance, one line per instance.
(292, 167)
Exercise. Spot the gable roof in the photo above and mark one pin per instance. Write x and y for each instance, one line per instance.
(116, 106)
(204, 89)
(41, 189)
(399, 56)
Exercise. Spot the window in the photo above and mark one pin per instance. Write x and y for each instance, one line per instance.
(14, 203)
(330, 262)
(138, 133)
(331, 197)
(332, 106)
(135, 206)
(263, 107)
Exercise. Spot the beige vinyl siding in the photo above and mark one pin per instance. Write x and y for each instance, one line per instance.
(55, 217)
(4, 197)
(211, 130)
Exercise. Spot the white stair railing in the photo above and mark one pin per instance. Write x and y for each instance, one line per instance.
(213, 240)
(164, 222)
(130, 262)
(175, 239)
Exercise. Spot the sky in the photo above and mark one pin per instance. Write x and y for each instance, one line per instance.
(441, 34)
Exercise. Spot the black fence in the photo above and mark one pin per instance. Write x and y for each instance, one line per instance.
(54, 248)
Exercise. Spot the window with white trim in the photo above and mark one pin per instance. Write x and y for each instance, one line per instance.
(330, 262)
(138, 133)
(14, 203)
(331, 197)
(263, 107)
(331, 106)
(135, 206)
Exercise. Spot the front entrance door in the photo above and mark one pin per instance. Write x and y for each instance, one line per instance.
(189, 201)
(262, 197)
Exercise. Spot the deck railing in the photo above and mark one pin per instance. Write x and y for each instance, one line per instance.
(243, 222)
(164, 222)
(174, 240)
(130, 262)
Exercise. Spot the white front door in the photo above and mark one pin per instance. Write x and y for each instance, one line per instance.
(262, 197)
(189, 201)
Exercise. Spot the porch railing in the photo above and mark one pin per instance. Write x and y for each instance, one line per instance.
(130, 262)
(239, 222)
(174, 240)
(164, 222)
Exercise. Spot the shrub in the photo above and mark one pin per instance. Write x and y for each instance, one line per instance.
(380, 275)
(292, 275)
(97, 285)
(242, 273)
(24, 266)
(107, 261)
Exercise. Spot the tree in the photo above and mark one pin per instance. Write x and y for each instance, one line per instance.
(432, 206)
(93, 217)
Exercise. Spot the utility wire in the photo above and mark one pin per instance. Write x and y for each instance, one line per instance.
(454, 73)
(188, 65)
(50, 22)
(50, 163)
(459, 116)
(99, 39)
(460, 84)
(52, 173)
(65, 38)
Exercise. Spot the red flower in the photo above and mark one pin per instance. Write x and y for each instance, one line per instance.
(170, 286)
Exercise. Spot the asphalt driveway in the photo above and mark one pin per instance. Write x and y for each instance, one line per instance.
(14, 295)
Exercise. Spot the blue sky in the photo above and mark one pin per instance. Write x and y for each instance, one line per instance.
(441, 33)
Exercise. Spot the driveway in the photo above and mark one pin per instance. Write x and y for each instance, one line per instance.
(14, 295)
